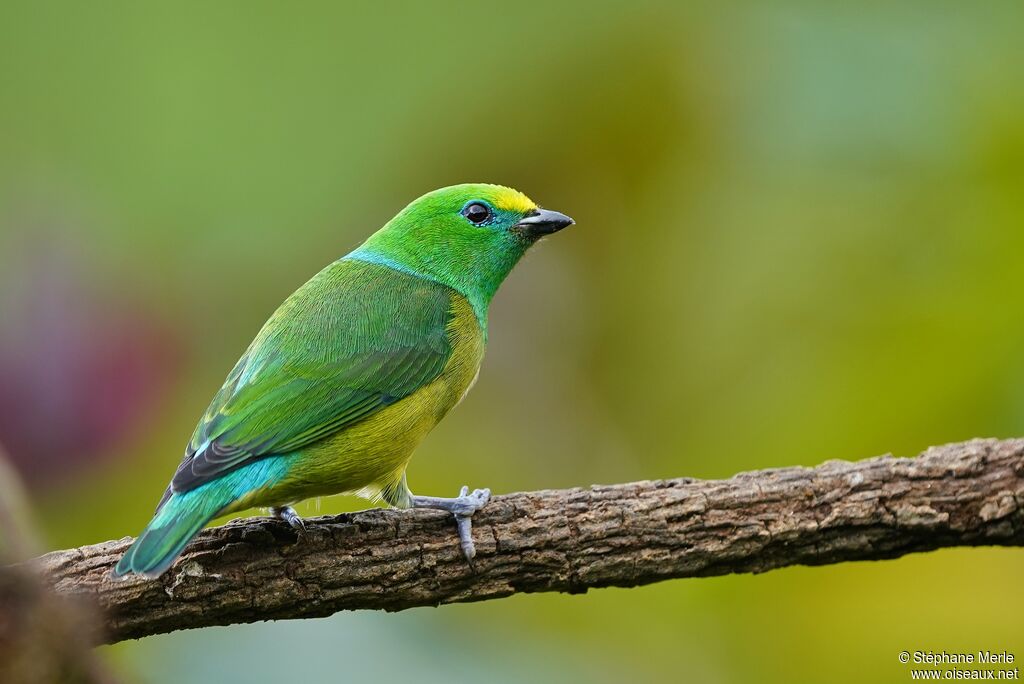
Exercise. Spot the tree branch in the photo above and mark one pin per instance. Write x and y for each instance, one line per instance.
(968, 494)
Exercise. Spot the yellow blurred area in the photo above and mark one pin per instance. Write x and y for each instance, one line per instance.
(799, 237)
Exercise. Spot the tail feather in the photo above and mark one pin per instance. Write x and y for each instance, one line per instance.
(176, 522)
(181, 515)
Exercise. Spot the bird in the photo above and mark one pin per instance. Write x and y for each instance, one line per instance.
(349, 375)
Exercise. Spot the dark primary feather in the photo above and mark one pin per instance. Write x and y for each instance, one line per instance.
(352, 340)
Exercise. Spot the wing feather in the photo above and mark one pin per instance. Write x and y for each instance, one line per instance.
(354, 339)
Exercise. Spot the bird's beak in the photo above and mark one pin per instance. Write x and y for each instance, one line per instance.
(541, 222)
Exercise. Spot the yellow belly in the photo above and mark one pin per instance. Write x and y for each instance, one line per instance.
(372, 455)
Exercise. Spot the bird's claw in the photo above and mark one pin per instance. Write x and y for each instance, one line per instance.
(288, 514)
(462, 507)
(468, 504)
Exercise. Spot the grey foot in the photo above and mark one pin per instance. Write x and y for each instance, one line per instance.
(462, 507)
(288, 514)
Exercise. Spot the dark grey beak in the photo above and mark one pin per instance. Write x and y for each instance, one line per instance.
(541, 222)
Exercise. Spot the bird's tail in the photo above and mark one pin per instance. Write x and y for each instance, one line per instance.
(179, 518)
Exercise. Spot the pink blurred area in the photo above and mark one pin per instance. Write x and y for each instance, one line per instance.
(84, 366)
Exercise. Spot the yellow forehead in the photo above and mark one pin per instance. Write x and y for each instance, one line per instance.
(508, 199)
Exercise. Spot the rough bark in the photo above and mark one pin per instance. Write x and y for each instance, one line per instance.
(967, 494)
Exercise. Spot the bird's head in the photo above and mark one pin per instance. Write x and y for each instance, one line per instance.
(466, 236)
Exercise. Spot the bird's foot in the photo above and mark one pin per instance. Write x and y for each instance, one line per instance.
(462, 507)
(288, 514)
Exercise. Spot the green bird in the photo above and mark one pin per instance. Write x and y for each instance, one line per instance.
(352, 371)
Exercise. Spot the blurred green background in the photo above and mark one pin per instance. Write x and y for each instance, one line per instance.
(800, 229)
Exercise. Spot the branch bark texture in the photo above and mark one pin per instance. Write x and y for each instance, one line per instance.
(967, 494)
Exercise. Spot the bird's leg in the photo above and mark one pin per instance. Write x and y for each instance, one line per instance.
(462, 507)
(288, 514)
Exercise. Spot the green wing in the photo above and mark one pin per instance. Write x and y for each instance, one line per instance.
(355, 338)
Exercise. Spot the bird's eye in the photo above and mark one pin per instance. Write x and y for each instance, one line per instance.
(477, 213)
